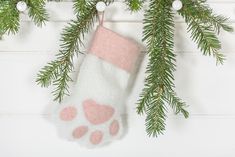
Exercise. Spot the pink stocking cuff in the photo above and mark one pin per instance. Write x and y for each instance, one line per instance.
(114, 48)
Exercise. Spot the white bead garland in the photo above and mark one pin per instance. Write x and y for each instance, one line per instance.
(100, 6)
(21, 6)
(177, 5)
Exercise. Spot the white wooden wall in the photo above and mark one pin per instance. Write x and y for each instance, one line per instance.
(209, 90)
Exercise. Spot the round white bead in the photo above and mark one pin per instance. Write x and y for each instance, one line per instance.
(177, 5)
(100, 6)
(21, 6)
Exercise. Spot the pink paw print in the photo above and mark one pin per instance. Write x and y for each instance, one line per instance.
(90, 123)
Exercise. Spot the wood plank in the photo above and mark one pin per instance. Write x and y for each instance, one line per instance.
(47, 39)
(27, 136)
(20, 93)
(206, 88)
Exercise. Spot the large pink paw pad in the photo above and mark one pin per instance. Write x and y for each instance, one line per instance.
(96, 137)
(80, 131)
(68, 113)
(114, 128)
(96, 113)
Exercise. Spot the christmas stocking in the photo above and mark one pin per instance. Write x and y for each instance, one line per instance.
(92, 116)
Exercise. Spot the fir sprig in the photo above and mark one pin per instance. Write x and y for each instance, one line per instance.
(134, 5)
(176, 103)
(204, 13)
(204, 25)
(9, 17)
(48, 73)
(159, 34)
(79, 6)
(58, 72)
(37, 11)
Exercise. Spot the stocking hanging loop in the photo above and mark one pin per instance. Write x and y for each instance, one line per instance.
(101, 18)
(100, 7)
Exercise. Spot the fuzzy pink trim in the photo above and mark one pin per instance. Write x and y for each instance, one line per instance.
(114, 48)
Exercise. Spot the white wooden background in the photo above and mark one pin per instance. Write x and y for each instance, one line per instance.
(209, 90)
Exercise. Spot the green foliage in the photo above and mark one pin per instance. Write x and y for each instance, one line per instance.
(204, 25)
(134, 5)
(9, 15)
(176, 104)
(80, 6)
(58, 72)
(201, 11)
(158, 32)
(37, 11)
(159, 86)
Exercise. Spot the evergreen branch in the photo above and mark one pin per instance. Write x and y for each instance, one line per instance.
(61, 83)
(156, 115)
(219, 23)
(203, 34)
(205, 14)
(79, 6)
(71, 40)
(145, 98)
(176, 104)
(9, 18)
(58, 72)
(37, 11)
(48, 73)
(134, 5)
(158, 34)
